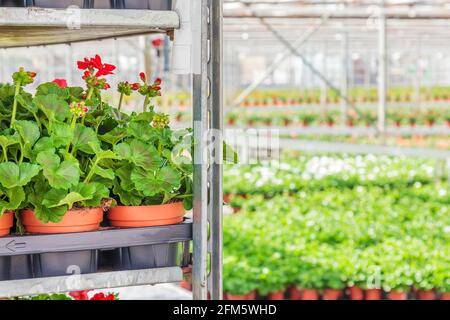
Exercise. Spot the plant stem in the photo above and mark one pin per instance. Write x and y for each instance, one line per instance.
(91, 173)
(120, 101)
(72, 126)
(5, 154)
(146, 101)
(90, 92)
(16, 93)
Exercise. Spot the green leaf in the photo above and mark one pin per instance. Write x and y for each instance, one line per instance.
(27, 103)
(6, 141)
(81, 192)
(124, 174)
(104, 173)
(53, 106)
(51, 88)
(141, 154)
(43, 144)
(114, 136)
(47, 215)
(85, 139)
(28, 131)
(62, 134)
(146, 117)
(100, 192)
(127, 198)
(13, 175)
(75, 93)
(15, 195)
(165, 180)
(60, 175)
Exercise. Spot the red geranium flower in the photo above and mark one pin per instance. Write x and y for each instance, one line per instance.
(62, 83)
(103, 68)
(102, 296)
(85, 64)
(80, 295)
(157, 42)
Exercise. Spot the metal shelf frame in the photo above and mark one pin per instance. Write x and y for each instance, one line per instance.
(33, 26)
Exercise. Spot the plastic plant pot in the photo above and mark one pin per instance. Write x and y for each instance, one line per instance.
(373, 294)
(356, 293)
(149, 256)
(445, 296)
(60, 4)
(426, 295)
(64, 263)
(295, 293)
(146, 216)
(80, 220)
(248, 296)
(331, 294)
(398, 295)
(277, 295)
(310, 294)
(6, 223)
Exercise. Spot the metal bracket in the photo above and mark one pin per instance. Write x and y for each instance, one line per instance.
(207, 102)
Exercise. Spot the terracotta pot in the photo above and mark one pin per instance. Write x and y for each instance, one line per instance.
(373, 294)
(146, 216)
(295, 293)
(6, 223)
(310, 294)
(426, 295)
(248, 296)
(398, 295)
(227, 198)
(277, 295)
(75, 220)
(186, 285)
(445, 296)
(356, 293)
(331, 294)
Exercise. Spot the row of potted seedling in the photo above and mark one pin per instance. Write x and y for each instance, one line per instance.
(401, 117)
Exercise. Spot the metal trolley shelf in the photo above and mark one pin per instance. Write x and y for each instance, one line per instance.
(22, 27)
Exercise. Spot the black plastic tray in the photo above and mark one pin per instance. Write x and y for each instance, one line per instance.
(34, 256)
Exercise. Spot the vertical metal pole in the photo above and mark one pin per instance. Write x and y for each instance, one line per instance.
(382, 69)
(208, 125)
(215, 106)
(344, 77)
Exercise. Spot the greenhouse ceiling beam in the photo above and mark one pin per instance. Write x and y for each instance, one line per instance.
(338, 12)
(341, 93)
(280, 59)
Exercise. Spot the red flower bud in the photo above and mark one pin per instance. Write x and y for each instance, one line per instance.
(142, 76)
(135, 86)
(106, 86)
(158, 81)
(32, 74)
(62, 83)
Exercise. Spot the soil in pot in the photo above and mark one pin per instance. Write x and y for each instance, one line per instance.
(75, 220)
(146, 216)
(426, 295)
(310, 294)
(277, 295)
(331, 294)
(6, 223)
(373, 294)
(356, 293)
(398, 295)
(295, 293)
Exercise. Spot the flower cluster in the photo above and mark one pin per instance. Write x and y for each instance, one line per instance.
(78, 109)
(150, 90)
(160, 120)
(126, 88)
(94, 68)
(23, 77)
(84, 295)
